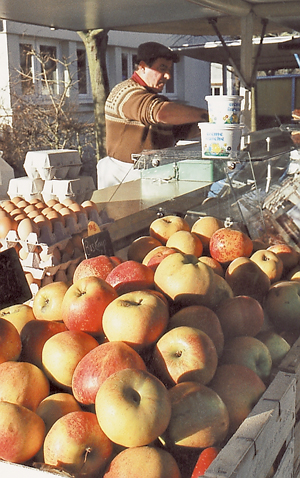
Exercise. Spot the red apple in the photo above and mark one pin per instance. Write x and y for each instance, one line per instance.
(77, 444)
(10, 341)
(131, 276)
(186, 242)
(288, 255)
(133, 407)
(98, 364)
(140, 247)
(156, 462)
(48, 301)
(99, 266)
(33, 337)
(23, 383)
(185, 354)
(18, 315)
(84, 303)
(205, 459)
(204, 227)
(240, 315)
(245, 277)
(227, 244)
(185, 280)
(163, 227)
(199, 417)
(282, 305)
(240, 388)
(61, 354)
(269, 262)
(248, 351)
(22, 433)
(154, 257)
(138, 318)
(202, 318)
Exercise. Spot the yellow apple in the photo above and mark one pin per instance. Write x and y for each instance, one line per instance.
(269, 262)
(240, 388)
(288, 255)
(155, 462)
(163, 227)
(199, 417)
(140, 247)
(23, 383)
(202, 318)
(18, 315)
(282, 305)
(133, 407)
(48, 300)
(22, 433)
(214, 264)
(248, 351)
(62, 352)
(138, 318)
(10, 341)
(277, 345)
(186, 242)
(204, 227)
(77, 444)
(185, 354)
(56, 405)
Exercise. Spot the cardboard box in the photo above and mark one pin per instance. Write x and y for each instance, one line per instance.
(80, 189)
(52, 164)
(26, 188)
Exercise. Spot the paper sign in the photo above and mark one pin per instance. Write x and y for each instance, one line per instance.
(98, 244)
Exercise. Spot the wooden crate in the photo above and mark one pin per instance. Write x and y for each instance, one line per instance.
(265, 438)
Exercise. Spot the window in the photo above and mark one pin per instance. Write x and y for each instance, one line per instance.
(48, 69)
(82, 72)
(26, 68)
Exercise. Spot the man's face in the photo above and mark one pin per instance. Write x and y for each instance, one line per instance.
(158, 74)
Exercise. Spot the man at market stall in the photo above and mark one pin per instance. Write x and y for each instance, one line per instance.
(138, 117)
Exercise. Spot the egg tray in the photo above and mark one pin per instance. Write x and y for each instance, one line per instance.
(39, 269)
(52, 164)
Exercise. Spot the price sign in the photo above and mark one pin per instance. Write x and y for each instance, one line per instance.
(14, 288)
(98, 244)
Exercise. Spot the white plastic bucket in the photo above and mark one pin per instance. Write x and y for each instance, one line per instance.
(224, 109)
(220, 141)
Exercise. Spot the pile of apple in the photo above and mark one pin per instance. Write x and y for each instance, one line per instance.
(141, 366)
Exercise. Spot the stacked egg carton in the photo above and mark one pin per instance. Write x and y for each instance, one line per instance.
(52, 174)
(50, 256)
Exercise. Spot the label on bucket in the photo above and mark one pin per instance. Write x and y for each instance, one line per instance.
(220, 142)
(224, 109)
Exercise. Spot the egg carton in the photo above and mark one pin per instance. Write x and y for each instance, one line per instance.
(29, 265)
(79, 189)
(26, 188)
(52, 164)
(46, 241)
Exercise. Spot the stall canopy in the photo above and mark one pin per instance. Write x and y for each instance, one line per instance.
(162, 16)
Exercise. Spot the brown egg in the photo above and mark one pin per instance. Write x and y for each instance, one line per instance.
(43, 222)
(19, 218)
(16, 212)
(34, 201)
(46, 210)
(25, 227)
(8, 206)
(16, 199)
(58, 206)
(75, 207)
(29, 208)
(89, 205)
(40, 205)
(23, 253)
(6, 225)
(66, 212)
(33, 214)
(52, 202)
(3, 213)
(54, 216)
(22, 204)
(68, 201)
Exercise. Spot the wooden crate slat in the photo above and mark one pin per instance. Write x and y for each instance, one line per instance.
(252, 450)
(286, 466)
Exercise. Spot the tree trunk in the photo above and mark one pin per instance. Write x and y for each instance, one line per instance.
(95, 42)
